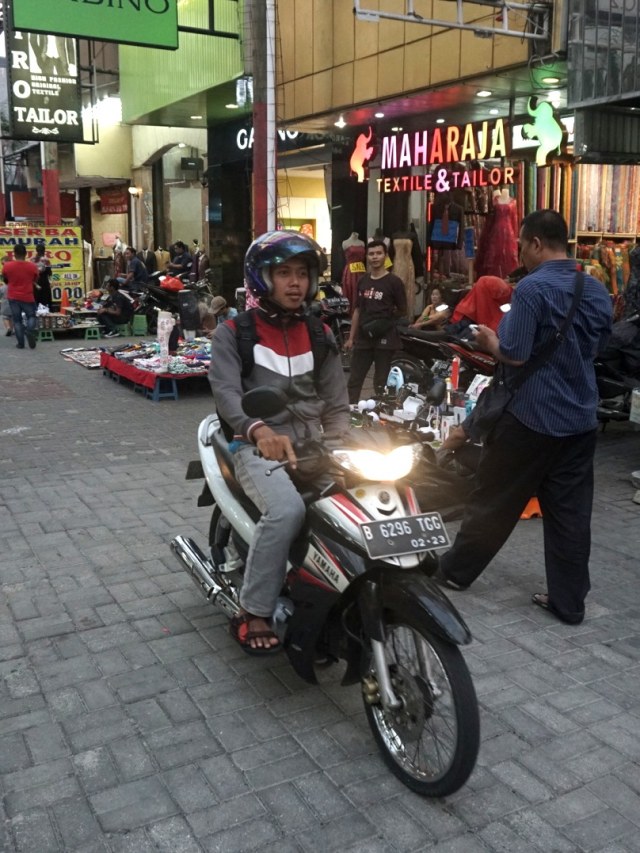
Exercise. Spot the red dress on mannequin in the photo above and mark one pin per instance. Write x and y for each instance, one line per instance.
(498, 246)
(354, 269)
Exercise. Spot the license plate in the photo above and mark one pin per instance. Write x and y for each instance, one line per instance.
(394, 537)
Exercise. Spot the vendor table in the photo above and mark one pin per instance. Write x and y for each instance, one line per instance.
(156, 386)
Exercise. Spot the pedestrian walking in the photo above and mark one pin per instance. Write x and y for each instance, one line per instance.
(21, 275)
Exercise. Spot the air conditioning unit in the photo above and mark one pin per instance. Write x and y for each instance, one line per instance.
(192, 164)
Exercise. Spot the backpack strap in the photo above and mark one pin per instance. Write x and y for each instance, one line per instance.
(246, 339)
(320, 346)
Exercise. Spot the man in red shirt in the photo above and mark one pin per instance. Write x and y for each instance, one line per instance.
(20, 274)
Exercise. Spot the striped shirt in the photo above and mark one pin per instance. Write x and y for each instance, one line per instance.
(560, 397)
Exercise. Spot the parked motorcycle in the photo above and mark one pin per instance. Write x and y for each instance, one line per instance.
(427, 355)
(154, 298)
(618, 371)
(333, 308)
(356, 590)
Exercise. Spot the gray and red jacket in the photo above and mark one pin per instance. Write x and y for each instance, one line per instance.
(283, 359)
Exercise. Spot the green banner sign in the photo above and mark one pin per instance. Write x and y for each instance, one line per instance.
(150, 23)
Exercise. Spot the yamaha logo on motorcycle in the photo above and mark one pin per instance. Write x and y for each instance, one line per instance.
(357, 589)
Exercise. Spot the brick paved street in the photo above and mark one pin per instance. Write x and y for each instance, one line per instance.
(130, 721)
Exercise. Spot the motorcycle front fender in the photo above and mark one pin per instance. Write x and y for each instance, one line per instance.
(413, 593)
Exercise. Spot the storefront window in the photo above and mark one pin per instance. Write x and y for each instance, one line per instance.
(602, 51)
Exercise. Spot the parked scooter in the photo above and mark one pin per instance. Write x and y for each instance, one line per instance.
(356, 589)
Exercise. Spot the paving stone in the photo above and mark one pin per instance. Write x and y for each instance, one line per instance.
(13, 754)
(338, 834)
(96, 728)
(76, 824)
(189, 788)
(142, 683)
(225, 779)
(95, 769)
(132, 804)
(182, 744)
(41, 796)
(148, 715)
(33, 831)
(131, 757)
(238, 810)
(173, 836)
(250, 836)
(46, 742)
(594, 831)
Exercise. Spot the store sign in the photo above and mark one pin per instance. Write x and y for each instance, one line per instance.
(150, 23)
(114, 199)
(44, 87)
(450, 144)
(446, 179)
(63, 247)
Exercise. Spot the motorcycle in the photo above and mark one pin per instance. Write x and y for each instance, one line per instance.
(154, 298)
(428, 355)
(333, 308)
(357, 589)
(618, 371)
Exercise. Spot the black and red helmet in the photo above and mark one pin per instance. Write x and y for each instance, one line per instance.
(277, 247)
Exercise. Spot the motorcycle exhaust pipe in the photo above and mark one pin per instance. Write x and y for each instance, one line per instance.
(201, 572)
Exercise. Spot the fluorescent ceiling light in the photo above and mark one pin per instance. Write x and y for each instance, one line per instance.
(494, 112)
(341, 122)
(379, 115)
(484, 93)
(195, 118)
(439, 121)
(232, 106)
(550, 79)
(396, 129)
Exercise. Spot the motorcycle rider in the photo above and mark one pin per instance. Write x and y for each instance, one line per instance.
(281, 271)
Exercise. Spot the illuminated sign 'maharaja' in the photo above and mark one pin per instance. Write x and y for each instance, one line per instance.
(444, 145)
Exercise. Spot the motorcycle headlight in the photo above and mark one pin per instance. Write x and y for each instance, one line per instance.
(373, 465)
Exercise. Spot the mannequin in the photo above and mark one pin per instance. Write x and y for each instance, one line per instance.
(148, 258)
(354, 268)
(498, 244)
(162, 258)
(403, 267)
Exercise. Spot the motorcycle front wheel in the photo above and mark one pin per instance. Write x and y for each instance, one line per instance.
(431, 743)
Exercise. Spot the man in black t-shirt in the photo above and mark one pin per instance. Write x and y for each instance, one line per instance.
(116, 311)
(381, 301)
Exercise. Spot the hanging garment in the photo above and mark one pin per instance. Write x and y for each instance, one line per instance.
(353, 271)
(403, 268)
(497, 252)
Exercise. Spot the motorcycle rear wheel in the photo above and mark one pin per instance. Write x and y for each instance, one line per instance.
(413, 370)
(432, 743)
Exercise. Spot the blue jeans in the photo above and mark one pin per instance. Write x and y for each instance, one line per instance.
(17, 308)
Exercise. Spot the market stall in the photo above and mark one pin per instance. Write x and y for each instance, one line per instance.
(148, 371)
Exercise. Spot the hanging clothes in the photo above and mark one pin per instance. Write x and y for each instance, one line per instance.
(354, 269)
(403, 268)
(497, 252)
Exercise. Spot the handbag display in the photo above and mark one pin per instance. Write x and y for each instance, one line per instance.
(495, 398)
(442, 234)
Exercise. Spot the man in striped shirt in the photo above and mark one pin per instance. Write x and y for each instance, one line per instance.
(545, 441)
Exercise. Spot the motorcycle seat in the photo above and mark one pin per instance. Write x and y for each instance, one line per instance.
(422, 335)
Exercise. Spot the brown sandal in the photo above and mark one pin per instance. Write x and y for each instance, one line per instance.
(239, 629)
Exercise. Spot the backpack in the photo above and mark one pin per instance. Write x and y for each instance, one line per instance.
(247, 338)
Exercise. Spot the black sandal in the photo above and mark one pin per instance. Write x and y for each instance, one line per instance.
(239, 629)
(541, 599)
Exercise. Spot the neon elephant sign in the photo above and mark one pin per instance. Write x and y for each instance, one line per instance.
(545, 128)
(361, 155)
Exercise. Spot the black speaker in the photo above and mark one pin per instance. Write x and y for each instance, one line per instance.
(188, 307)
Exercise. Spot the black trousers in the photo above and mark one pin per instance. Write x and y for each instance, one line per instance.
(361, 361)
(517, 463)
